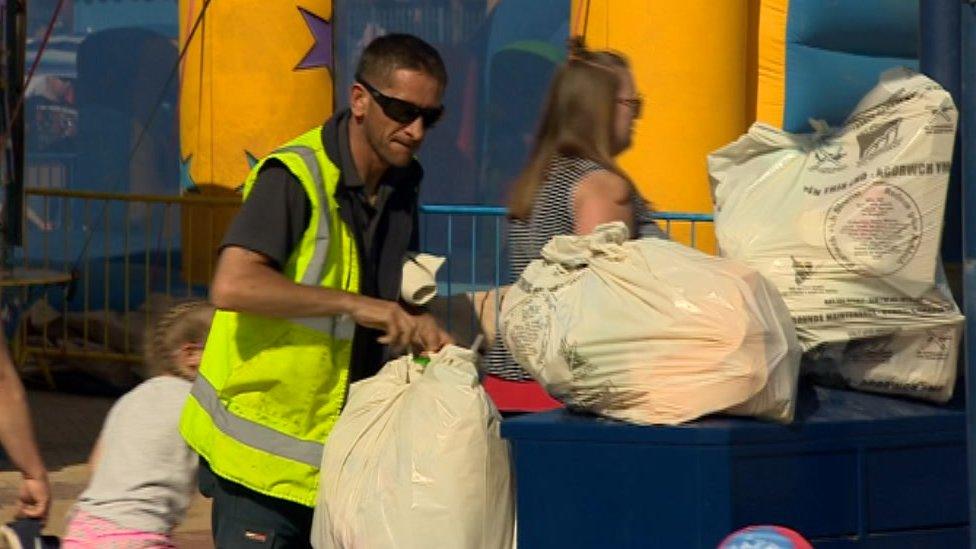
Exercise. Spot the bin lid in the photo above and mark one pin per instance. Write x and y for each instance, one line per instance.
(822, 413)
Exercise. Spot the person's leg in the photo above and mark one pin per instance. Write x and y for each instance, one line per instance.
(205, 483)
(243, 518)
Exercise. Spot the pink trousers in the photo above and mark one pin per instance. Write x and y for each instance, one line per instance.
(87, 531)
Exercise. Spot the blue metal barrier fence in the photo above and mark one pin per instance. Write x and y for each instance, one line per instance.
(472, 238)
(458, 232)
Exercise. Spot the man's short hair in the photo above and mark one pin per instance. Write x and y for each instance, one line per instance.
(391, 52)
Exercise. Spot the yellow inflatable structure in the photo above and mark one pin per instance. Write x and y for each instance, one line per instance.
(694, 62)
(255, 74)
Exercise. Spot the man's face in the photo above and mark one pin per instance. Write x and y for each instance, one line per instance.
(396, 142)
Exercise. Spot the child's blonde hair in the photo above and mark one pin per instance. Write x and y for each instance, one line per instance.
(186, 322)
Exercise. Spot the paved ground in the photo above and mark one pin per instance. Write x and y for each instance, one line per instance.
(67, 426)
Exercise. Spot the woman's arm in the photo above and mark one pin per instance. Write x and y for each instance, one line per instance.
(601, 197)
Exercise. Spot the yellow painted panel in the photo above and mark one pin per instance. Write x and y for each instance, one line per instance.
(752, 60)
(593, 21)
(771, 94)
(240, 89)
(242, 92)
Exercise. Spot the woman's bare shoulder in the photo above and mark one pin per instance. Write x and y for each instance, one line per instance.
(603, 184)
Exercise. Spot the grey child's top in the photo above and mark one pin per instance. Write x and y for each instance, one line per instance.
(146, 473)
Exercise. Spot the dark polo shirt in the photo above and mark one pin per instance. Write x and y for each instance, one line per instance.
(277, 212)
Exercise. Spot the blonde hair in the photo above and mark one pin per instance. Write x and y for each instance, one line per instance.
(577, 120)
(186, 322)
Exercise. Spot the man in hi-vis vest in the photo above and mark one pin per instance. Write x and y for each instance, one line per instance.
(307, 286)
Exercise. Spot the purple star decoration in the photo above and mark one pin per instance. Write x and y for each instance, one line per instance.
(320, 54)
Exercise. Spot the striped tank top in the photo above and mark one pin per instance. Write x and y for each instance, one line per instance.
(552, 215)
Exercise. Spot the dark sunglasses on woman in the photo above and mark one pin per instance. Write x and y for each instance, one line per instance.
(402, 111)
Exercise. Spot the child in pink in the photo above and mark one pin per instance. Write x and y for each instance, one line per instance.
(144, 473)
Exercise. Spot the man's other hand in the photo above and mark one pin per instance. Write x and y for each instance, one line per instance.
(429, 337)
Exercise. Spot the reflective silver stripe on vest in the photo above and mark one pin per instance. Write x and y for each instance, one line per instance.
(316, 266)
(254, 434)
(339, 327)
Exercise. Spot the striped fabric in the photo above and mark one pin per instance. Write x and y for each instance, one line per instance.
(552, 215)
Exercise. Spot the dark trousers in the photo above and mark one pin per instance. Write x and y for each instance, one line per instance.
(244, 518)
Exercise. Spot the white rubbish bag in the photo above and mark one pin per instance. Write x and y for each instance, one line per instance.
(650, 331)
(416, 461)
(847, 223)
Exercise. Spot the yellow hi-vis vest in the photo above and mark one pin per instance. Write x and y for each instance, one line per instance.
(270, 389)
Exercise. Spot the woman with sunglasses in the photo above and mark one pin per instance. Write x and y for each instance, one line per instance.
(571, 184)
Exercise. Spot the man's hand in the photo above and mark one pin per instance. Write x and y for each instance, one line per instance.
(403, 329)
(429, 336)
(388, 316)
(34, 499)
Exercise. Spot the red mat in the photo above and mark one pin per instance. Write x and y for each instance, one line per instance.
(518, 396)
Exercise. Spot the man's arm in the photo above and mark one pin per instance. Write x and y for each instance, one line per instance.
(247, 281)
(429, 330)
(17, 439)
(248, 277)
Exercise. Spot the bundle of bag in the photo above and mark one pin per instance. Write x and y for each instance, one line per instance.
(847, 222)
(416, 461)
(650, 331)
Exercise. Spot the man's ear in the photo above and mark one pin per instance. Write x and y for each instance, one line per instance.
(358, 99)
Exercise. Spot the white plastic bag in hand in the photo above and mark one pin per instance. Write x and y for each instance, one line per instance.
(416, 461)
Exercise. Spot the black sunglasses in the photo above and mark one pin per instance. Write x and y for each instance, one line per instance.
(402, 111)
